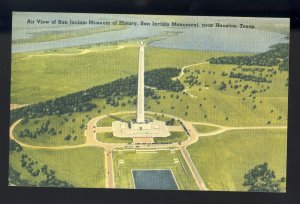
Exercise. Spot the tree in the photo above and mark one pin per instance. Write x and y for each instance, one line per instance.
(68, 137)
(13, 146)
(261, 179)
(222, 86)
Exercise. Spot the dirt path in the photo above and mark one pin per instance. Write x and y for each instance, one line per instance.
(187, 66)
(75, 54)
(16, 106)
(58, 54)
(182, 73)
(191, 95)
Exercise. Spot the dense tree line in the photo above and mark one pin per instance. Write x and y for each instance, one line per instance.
(116, 90)
(162, 79)
(249, 77)
(277, 54)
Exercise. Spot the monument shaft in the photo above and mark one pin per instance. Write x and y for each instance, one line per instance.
(140, 127)
(140, 100)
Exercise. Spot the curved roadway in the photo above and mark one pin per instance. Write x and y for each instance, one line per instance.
(91, 140)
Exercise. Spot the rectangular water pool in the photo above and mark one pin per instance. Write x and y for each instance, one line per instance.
(154, 179)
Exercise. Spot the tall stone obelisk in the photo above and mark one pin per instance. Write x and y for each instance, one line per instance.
(140, 117)
(140, 127)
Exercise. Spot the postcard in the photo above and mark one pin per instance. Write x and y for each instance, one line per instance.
(149, 102)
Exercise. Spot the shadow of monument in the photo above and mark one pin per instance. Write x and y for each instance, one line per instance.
(117, 118)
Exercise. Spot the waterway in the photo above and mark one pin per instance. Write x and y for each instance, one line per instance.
(196, 38)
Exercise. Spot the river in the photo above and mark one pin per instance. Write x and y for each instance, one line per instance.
(217, 39)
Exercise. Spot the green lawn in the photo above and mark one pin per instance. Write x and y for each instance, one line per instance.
(108, 137)
(223, 160)
(82, 167)
(122, 117)
(148, 160)
(174, 137)
(126, 118)
(108, 120)
(205, 128)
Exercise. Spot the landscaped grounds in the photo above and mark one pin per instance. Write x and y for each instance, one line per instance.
(226, 112)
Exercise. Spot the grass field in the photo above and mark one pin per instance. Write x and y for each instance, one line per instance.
(233, 106)
(222, 109)
(67, 124)
(82, 167)
(223, 160)
(174, 137)
(148, 160)
(68, 70)
(205, 128)
(108, 137)
(63, 127)
(210, 76)
(59, 35)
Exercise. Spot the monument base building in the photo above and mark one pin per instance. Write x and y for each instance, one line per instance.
(151, 129)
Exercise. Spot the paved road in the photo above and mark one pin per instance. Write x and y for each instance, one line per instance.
(91, 140)
(199, 181)
(109, 182)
